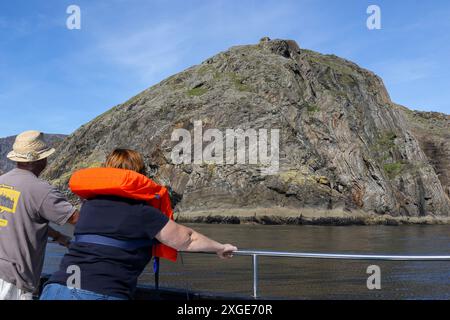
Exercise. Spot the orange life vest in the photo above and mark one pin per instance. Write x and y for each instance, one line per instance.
(93, 182)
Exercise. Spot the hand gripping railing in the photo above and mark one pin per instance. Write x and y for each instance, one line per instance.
(338, 256)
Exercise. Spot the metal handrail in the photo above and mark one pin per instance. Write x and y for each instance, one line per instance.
(340, 256)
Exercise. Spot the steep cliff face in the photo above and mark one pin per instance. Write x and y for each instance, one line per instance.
(432, 130)
(343, 144)
(6, 145)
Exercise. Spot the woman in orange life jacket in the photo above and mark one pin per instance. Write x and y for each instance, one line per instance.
(113, 240)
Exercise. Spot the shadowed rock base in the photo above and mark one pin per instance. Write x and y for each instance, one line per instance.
(284, 216)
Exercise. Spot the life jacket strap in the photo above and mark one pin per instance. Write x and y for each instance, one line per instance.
(111, 242)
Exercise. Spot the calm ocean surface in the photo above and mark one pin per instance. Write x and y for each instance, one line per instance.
(308, 278)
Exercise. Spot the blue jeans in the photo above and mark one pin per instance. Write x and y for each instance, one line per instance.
(56, 291)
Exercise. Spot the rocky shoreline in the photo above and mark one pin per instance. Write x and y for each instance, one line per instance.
(285, 216)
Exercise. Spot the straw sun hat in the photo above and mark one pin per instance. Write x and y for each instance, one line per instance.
(29, 147)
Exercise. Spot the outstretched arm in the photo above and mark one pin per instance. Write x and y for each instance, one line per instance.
(58, 237)
(74, 218)
(186, 239)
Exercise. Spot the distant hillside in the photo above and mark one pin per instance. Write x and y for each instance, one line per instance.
(7, 143)
(344, 145)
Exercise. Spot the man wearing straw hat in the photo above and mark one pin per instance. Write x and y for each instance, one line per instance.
(27, 205)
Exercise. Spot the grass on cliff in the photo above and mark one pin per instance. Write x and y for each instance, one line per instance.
(238, 82)
(384, 148)
(387, 140)
(393, 169)
(312, 108)
(332, 61)
(384, 144)
(196, 92)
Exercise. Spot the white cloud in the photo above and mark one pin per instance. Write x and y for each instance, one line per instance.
(405, 70)
(160, 48)
(148, 52)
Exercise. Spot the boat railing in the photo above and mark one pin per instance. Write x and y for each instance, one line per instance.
(339, 256)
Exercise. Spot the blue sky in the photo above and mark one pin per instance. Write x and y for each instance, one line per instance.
(54, 79)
